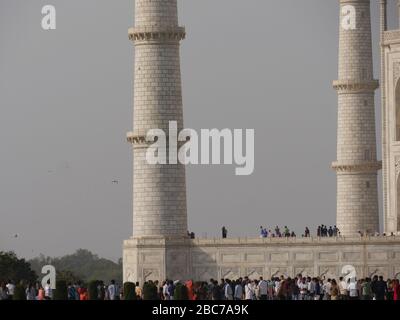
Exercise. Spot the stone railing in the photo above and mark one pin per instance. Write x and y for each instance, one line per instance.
(355, 85)
(296, 240)
(157, 33)
(361, 166)
(151, 241)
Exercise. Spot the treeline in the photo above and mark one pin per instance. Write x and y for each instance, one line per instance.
(13, 268)
(82, 265)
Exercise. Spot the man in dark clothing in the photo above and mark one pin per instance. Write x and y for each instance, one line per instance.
(224, 233)
(380, 289)
(373, 285)
(72, 293)
(216, 291)
(170, 290)
(101, 293)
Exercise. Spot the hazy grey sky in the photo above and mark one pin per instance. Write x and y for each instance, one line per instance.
(66, 105)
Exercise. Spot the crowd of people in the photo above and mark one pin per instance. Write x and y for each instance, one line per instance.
(322, 231)
(281, 288)
(103, 292)
(276, 288)
(78, 291)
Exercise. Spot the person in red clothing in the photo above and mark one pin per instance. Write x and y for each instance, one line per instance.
(189, 286)
(40, 293)
(83, 294)
(396, 290)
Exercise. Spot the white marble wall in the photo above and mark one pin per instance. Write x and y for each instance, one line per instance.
(157, 259)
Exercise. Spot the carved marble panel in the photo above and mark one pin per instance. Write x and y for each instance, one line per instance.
(203, 257)
(205, 273)
(151, 274)
(378, 270)
(255, 273)
(328, 256)
(279, 256)
(148, 257)
(378, 255)
(278, 271)
(230, 273)
(328, 271)
(228, 258)
(255, 257)
(352, 256)
(303, 256)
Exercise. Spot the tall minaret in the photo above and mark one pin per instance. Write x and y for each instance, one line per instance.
(398, 13)
(159, 191)
(356, 165)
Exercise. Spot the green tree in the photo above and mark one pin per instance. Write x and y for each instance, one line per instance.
(149, 291)
(15, 269)
(92, 290)
(19, 292)
(129, 291)
(67, 276)
(181, 292)
(84, 265)
(61, 291)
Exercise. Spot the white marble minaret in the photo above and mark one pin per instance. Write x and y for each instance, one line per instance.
(159, 191)
(356, 165)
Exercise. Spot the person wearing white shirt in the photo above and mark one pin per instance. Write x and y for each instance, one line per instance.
(238, 291)
(256, 291)
(10, 289)
(249, 291)
(263, 288)
(327, 289)
(303, 287)
(165, 291)
(228, 290)
(277, 286)
(48, 291)
(298, 282)
(353, 291)
(112, 291)
(343, 289)
(311, 288)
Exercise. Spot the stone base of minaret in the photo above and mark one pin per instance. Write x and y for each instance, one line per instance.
(156, 259)
(202, 259)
